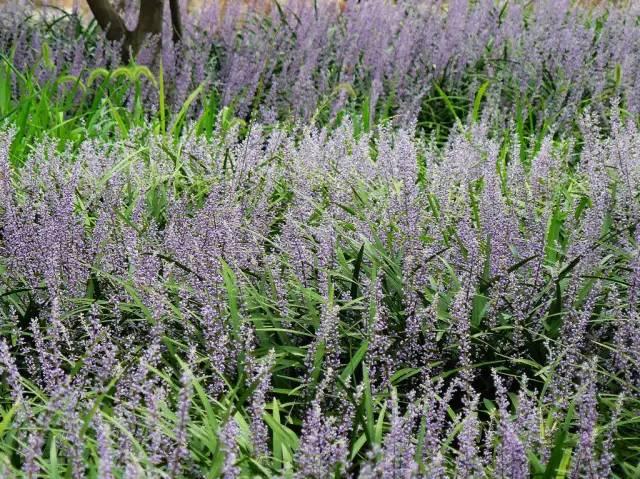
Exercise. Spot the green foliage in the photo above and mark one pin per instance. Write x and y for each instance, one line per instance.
(110, 105)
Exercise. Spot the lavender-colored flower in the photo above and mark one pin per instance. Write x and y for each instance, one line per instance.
(217, 344)
(323, 448)
(260, 378)
(8, 367)
(103, 441)
(460, 317)
(511, 455)
(35, 442)
(584, 463)
(227, 437)
(468, 459)
(328, 338)
(181, 451)
(379, 342)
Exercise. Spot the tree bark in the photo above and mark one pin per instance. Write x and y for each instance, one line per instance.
(108, 19)
(176, 20)
(149, 23)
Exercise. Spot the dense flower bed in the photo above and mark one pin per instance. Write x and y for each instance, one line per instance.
(396, 241)
(308, 54)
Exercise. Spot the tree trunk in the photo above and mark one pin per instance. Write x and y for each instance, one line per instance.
(108, 19)
(149, 23)
(176, 20)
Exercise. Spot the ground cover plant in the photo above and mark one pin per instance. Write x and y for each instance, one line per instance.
(393, 239)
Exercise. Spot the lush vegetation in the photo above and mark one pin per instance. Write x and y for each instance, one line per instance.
(399, 240)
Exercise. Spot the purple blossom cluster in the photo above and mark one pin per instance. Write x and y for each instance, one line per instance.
(307, 58)
(322, 302)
